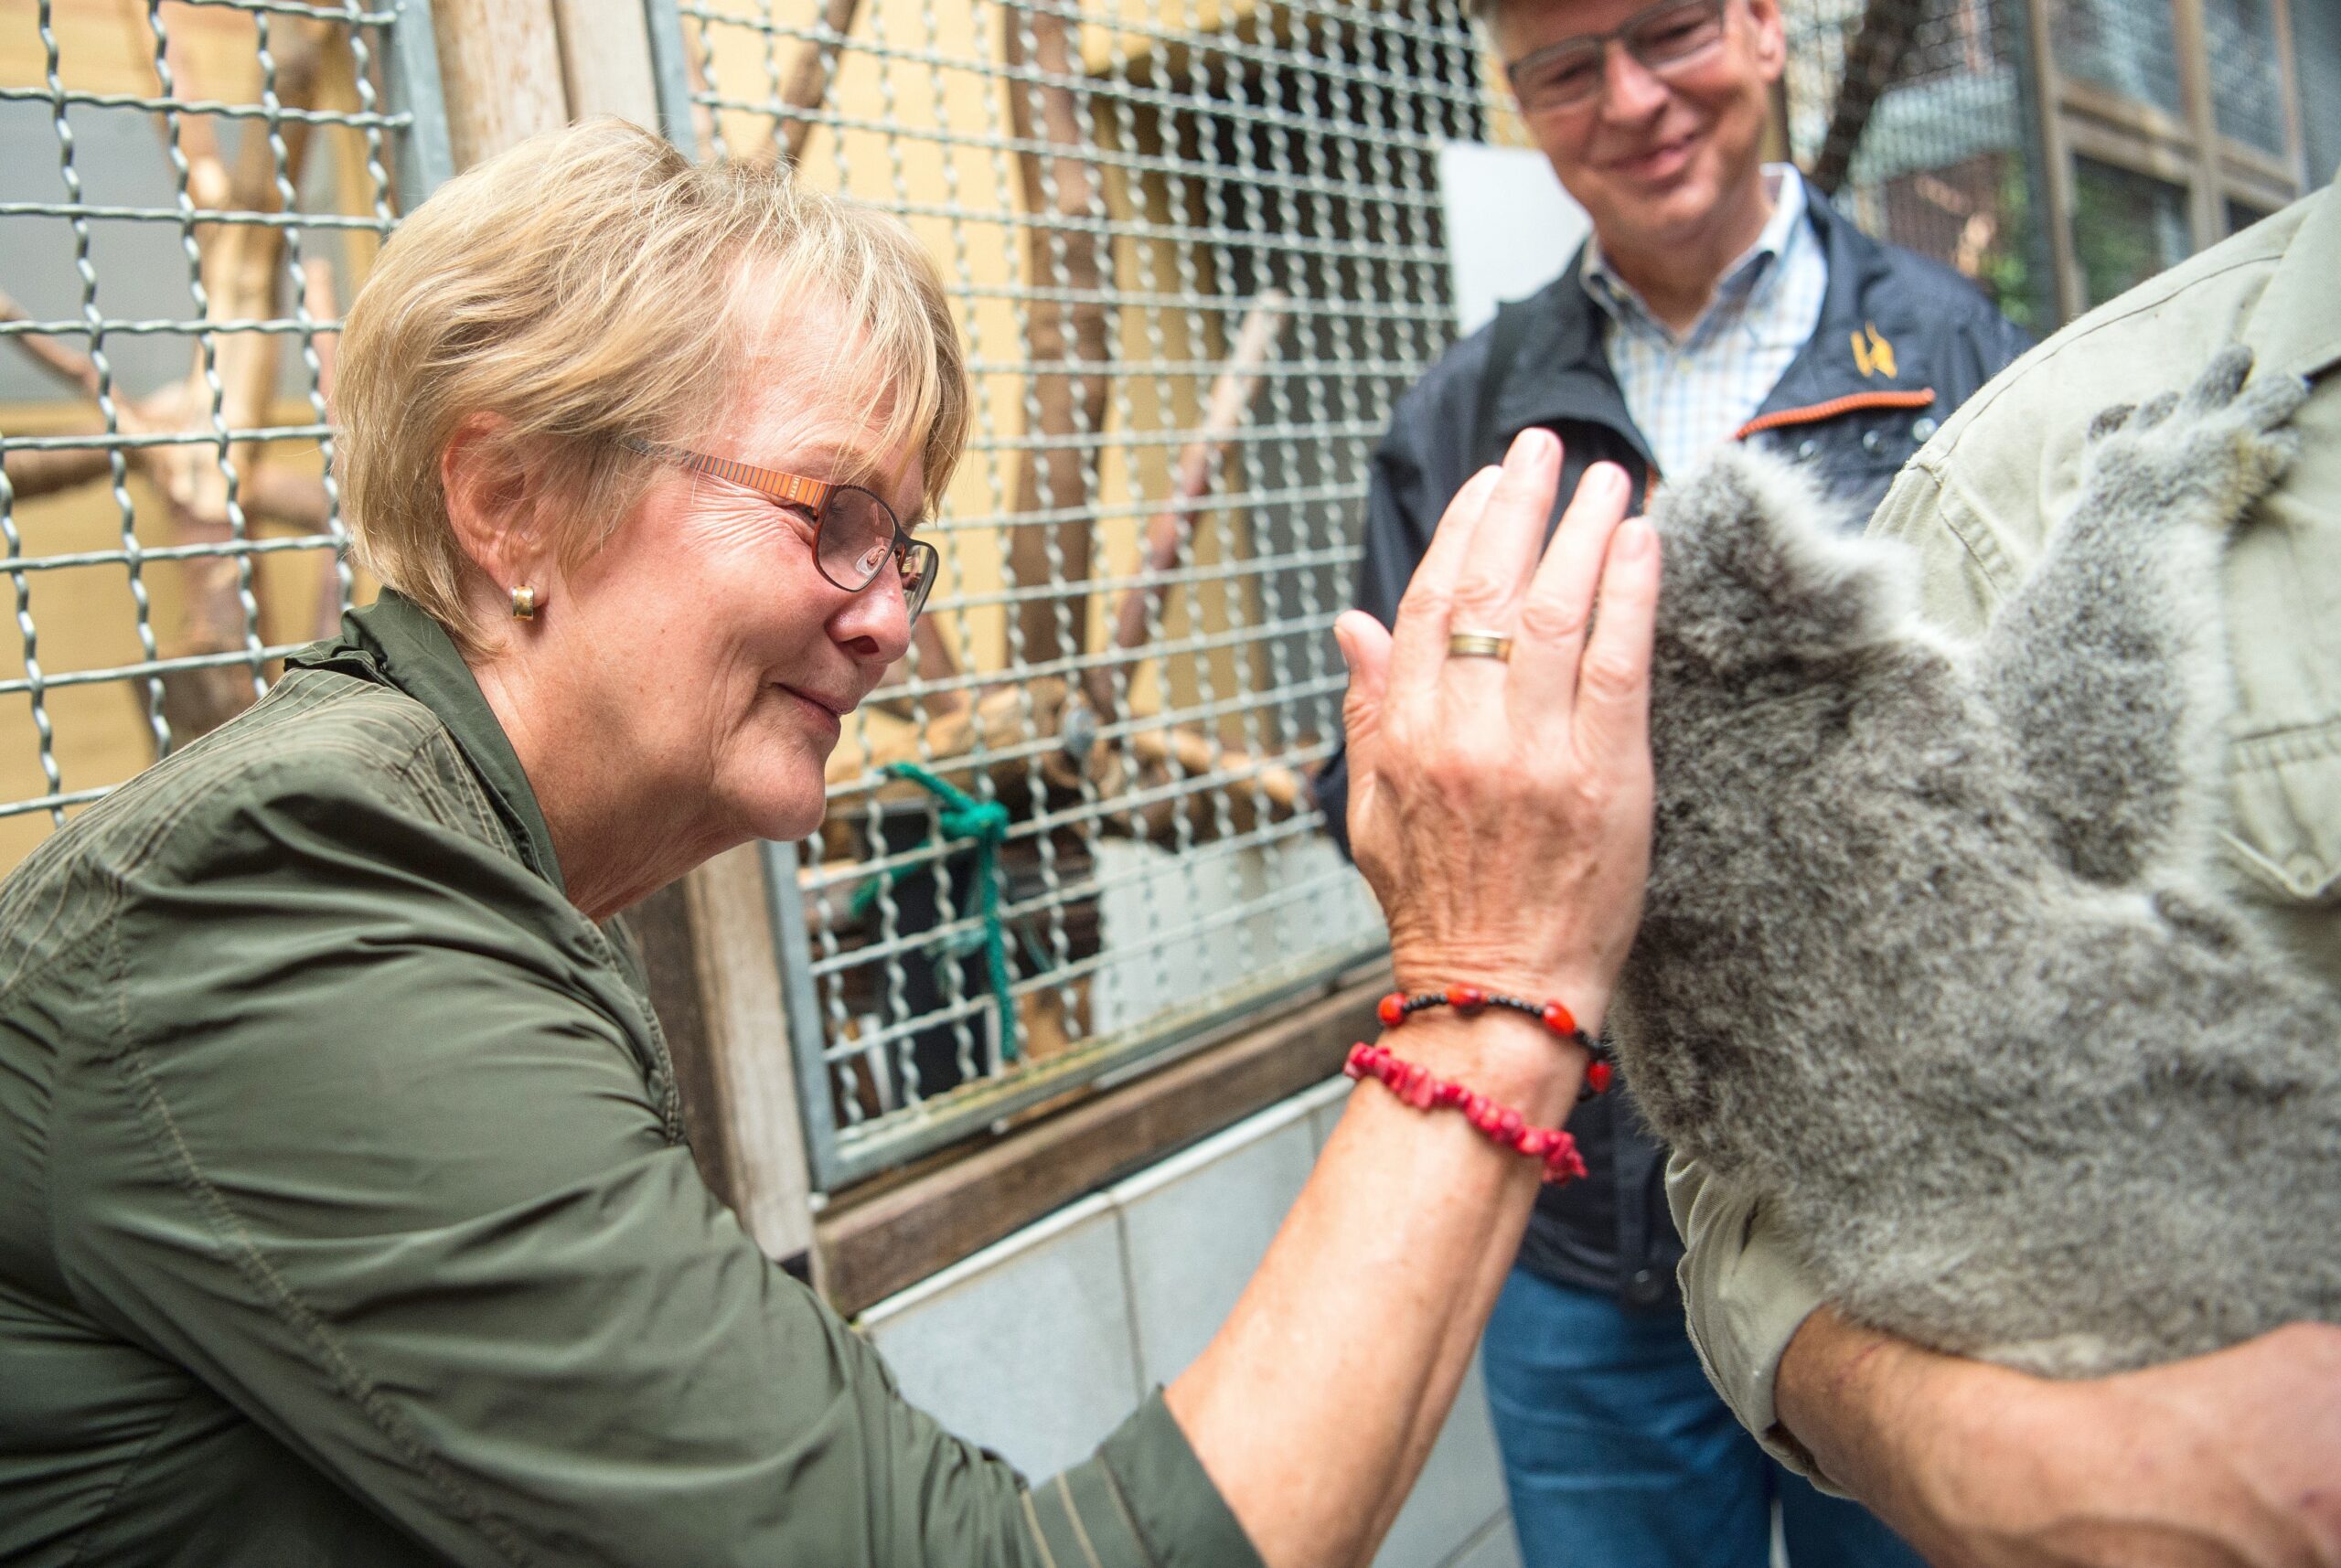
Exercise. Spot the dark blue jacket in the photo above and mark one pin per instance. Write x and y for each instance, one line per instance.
(1902, 342)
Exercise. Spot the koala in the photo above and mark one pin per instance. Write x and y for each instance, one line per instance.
(1930, 956)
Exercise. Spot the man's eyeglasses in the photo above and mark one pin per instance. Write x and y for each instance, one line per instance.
(855, 534)
(1572, 73)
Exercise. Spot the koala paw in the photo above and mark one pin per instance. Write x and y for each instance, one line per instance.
(2222, 443)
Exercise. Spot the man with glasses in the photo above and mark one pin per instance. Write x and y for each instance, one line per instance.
(1718, 300)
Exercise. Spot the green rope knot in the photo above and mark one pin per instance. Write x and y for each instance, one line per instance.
(961, 816)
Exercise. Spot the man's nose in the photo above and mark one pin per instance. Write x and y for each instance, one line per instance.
(1630, 90)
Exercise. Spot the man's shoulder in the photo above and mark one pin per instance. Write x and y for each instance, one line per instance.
(1901, 281)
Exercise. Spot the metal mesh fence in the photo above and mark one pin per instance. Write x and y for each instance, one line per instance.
(1196, 253)
(1916, 115)
(189, 189)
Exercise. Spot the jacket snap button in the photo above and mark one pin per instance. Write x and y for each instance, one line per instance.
(1871, 441)
(1924, 430)
(1805, 453)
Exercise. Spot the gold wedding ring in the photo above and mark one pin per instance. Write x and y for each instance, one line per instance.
(1479, 646)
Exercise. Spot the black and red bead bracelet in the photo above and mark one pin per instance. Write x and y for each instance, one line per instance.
(1398, 1007)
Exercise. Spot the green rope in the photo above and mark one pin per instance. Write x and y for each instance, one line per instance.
(962, 815)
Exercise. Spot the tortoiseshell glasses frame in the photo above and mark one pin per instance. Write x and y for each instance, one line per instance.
(855, 533)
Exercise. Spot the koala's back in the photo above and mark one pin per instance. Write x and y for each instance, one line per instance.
(2003, 1107)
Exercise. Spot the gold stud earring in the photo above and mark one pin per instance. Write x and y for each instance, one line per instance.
(524, 602)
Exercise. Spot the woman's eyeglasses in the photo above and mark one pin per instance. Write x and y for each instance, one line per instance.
(1573, 73)
(855, 534)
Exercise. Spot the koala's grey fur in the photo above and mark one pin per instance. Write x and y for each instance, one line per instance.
(1931, 954)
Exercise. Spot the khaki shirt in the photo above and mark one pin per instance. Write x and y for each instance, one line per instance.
(1976, 505)
(346, 1219)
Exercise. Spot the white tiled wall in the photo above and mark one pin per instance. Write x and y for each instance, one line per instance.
(1038, 1346)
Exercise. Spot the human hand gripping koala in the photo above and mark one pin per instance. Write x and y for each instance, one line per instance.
(1928, 954)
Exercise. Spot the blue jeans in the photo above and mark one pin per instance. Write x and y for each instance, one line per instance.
(1618, 1454)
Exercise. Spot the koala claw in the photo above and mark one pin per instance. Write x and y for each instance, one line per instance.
(2222, 440)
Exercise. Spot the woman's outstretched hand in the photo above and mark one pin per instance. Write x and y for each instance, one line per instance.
(1500, 811)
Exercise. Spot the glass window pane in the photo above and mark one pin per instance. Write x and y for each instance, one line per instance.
(2123, 46)
(2242, 215)
(2126, 227)
(2247, 93)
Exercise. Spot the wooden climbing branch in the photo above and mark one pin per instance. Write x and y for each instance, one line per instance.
(807, 83)
(1192, 479)
(1873, 59)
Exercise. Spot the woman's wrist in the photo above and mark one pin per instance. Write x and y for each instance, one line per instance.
(1507, 1056)
(1586, 998)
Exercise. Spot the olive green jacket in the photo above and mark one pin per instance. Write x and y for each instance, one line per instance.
(1977, 505)
(346, 1218)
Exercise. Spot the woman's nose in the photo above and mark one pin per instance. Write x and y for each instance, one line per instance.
(876, 622)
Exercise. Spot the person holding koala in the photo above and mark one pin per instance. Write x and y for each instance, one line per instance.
(1718, 299)
(2231, 1458)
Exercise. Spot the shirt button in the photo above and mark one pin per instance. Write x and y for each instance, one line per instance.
(1804, 453)
(1871, 441)
(2305, 872)
(1924, 430)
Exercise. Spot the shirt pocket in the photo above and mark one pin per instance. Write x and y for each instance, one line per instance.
(2284, 833)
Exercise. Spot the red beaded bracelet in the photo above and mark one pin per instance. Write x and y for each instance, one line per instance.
(1599, 1074)
(1413, 1083)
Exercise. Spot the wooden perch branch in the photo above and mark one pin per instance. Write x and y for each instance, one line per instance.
(243, 273)
(1066, 260)
(1872, 60)
(808, 78)
(1192, 479)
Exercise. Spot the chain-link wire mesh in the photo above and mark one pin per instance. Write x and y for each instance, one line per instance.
(189, 190)
(1196, 253)
(1916, 116)
(2316, 67)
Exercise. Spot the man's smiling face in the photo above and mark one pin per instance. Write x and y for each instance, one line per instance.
(1654, 156)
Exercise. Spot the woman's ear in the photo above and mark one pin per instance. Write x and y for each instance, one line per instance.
(484, 479)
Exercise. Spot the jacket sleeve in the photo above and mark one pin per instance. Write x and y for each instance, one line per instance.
(1403, 499)
(359, 1143)
(1744, 1295)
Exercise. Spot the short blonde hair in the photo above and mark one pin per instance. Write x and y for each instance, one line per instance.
(593, 284)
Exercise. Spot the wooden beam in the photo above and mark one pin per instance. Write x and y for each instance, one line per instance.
(2055, 202)
(959, 1203)
(1067, 334)
(500, 67)
(707, 942)
(605, 60)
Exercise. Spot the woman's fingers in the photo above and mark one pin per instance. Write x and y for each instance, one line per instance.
(1559, 605)
(1365, 650)
(1611, 721)
(1418, 642)
(1494, 577)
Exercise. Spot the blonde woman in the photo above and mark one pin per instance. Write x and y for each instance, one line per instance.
(344, 1216)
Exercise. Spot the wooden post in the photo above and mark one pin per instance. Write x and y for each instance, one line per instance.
(500, 69)
(715, 979)
(2056, 202)
(2204, 207)
(605, 60)
(1068, 402)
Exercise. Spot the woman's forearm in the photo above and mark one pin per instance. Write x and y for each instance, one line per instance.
(1315, 1406)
